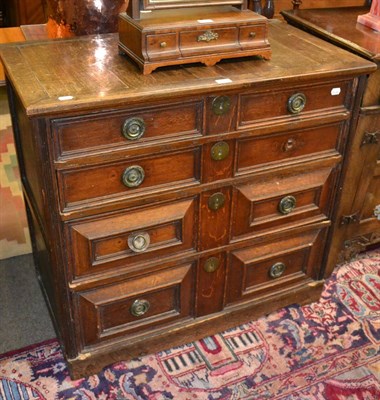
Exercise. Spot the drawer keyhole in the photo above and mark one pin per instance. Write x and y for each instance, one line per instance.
(216, 201)
(220, 151)
(211, 265)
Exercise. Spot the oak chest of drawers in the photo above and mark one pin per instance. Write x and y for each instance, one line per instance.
(167, 207)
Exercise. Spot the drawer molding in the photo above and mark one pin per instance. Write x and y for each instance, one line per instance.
(102, 244)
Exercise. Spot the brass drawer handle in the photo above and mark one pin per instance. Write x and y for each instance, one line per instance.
(139, 242)
(296, 103)
(139, 307)
(252, 34)
(208, 36)
(133, 176)
(216, 201)
(163, 45)
(133, 128)
(211, 265)
(221, 105)
(220, 151)
(276, 270)
(287, 204)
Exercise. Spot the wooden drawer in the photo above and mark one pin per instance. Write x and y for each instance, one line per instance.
(253, 35)
(162, 46)
(274, 266)
(208, 41)
(256, 153)
(277, 202)
(94, 133)
(125, 239)
(136, 306)
(285, 105)
(129, 178)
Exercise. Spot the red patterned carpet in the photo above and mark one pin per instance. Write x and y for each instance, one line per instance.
(326, 350)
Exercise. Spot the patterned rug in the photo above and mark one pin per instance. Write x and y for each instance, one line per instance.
(326, 350)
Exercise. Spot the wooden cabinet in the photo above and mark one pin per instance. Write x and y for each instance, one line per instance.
(23, 12)
(357, 224)
(167, 207)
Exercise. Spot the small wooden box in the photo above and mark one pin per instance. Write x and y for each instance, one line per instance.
(203, 34)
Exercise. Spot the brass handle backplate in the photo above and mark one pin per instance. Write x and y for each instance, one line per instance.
(133, 176)
(133, 128)
(211, 264)
(139, 242)
(296, 103)
(276, 270)
(221, 105)
(208, 36)
(216, 201)
(287, 204)
(139, 307)
(220, 151)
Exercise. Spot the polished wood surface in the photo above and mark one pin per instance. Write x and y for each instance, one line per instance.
(100, 77)
(165, 208)
(339, 26)
(357, 225)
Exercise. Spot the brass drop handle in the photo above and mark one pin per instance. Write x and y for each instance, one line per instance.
(252, 34)
(139, 307)
(216, 201)
(296, 103)
(133, 128)
(133, 176)
(139, 242)
(220, 151)
(276, 270)
(163, 45)
(211, 264)
(287, 204)
(221, 105)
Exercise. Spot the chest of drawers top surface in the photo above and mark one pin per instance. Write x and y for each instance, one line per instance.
(88, 73)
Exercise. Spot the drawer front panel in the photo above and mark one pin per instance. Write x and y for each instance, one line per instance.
(278, 106)
(127, 239)
(272, 150)
(132, 178)
(275, 265)
(269, 203)
(209, 41)
(140, 304)
(162, 46)
(88, 134)
(253, 36)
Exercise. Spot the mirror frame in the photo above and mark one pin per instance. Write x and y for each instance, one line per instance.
(135, 6)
